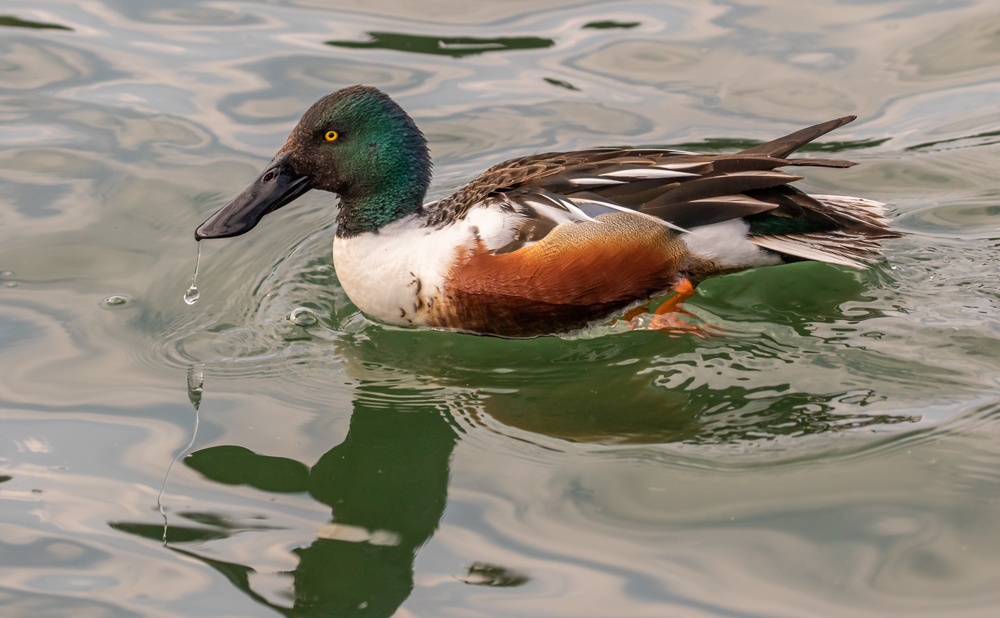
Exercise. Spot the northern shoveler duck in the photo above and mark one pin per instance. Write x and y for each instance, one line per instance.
(550, 242)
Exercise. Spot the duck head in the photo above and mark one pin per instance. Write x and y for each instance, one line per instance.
(357, 143)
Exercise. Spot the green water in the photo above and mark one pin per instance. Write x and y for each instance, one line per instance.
(267, 450)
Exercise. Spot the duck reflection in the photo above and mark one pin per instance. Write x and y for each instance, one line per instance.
(386, 485)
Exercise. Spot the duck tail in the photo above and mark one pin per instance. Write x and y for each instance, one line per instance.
(854, 242)
(784, 146)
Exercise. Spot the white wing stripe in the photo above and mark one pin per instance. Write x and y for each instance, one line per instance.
(648, 172)
(595, 180)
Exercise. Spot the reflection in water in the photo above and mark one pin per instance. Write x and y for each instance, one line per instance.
(697, 416)
(561, 83)
(386, 485)
(14, 22)
(609, 25)
(454, 46)
(482, 574)
(981, 139)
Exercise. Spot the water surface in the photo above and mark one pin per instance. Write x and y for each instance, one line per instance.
(835, 452)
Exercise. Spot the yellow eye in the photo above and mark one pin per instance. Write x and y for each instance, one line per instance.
(331, 135)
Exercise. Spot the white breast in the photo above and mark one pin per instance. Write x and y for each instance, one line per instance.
(394, 275)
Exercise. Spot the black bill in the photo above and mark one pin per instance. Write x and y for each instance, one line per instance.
(276, 186)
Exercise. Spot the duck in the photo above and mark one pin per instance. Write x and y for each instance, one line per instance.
(547, 243)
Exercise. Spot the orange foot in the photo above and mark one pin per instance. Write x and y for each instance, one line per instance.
(683, 290)
(667, 317)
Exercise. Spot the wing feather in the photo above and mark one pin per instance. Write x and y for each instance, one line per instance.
(684, 191)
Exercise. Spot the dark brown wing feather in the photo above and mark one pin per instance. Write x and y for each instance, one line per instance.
(687, 190)
(784, 146)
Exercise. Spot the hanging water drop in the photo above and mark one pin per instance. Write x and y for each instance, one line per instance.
(192, 295)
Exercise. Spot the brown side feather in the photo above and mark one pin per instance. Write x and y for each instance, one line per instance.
(576, 274)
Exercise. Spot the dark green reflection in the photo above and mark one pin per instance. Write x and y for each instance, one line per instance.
(454, 46)
(386, 485)
(608, 25)
(561, 83)
(389, 475)
(957, 139)
(235, 465)
(213, 526)
(14, 22)
(482, 574)
(698, 415)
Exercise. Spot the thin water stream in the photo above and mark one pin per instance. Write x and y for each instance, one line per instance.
(191, 295)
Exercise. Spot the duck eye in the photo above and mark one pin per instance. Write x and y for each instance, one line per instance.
(331, 135)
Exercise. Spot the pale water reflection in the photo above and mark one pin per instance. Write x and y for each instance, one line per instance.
(835, 453)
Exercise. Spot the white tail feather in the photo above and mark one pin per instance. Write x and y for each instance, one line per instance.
(807, 248)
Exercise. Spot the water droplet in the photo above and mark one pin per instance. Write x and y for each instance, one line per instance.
(116, 301)
(192, 295)
(302, 317)
(196, 384)
(6, 274)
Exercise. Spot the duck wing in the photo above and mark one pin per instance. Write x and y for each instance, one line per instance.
(685, 191)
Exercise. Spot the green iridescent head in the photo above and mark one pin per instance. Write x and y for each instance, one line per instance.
(357, 143)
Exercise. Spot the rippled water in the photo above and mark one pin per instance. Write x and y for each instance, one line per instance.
(836, 452)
